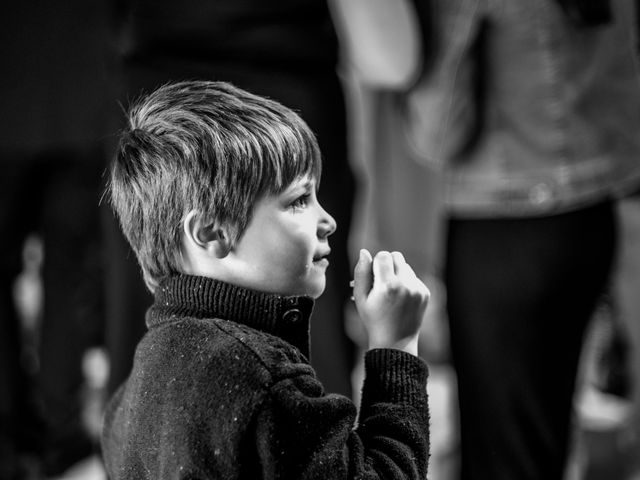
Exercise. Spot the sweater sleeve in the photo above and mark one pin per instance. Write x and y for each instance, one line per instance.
(306, 434)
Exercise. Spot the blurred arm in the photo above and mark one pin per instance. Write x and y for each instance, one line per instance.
(381, 39)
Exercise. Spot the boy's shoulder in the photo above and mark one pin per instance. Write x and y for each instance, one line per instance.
(268, 349)
(188, 368)
(201, 345)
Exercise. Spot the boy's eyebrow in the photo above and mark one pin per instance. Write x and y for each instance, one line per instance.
(307, 185)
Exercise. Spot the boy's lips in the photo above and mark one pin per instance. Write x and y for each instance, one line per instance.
(322, 257)
(321, 263)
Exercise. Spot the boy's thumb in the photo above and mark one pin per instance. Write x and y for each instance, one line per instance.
(363, 276)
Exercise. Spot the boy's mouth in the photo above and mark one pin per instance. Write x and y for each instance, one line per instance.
(321, 256)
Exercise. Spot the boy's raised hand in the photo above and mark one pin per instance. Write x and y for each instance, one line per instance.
(390, 299)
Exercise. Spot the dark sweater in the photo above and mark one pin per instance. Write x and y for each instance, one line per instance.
(221, 388)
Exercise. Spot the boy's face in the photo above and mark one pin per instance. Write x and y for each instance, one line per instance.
(284, 248)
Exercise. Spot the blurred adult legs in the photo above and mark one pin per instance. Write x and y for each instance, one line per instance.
(520, 294)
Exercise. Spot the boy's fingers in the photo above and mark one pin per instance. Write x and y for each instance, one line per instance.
(398, 262)
(383, 270)
(407, 274)
(402, 268)
(362, 275)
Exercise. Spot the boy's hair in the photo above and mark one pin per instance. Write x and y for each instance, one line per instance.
(204, 146)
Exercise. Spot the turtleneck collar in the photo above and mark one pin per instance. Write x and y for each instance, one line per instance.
(202, 297)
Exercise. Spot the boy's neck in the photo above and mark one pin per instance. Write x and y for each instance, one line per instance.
(202, 297)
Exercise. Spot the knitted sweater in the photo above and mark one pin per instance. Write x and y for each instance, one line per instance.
(221, 388)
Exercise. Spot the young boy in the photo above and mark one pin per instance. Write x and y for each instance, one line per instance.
(215, 190)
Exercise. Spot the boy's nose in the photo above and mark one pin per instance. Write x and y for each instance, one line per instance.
(327, 224)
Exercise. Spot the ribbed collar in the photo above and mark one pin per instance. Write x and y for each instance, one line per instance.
(202, 297)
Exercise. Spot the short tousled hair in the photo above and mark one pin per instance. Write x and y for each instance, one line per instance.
(204, 146)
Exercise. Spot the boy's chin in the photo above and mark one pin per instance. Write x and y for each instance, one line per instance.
(316, 295)
(314, 291)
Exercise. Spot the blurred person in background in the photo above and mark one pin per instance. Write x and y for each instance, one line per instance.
(531, 110)
(286, 50)
(53, 91)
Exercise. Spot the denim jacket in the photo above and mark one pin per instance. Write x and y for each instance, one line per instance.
(528, 113)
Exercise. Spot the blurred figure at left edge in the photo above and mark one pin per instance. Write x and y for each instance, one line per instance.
(52, 97)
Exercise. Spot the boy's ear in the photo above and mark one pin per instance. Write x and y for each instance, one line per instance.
(212, 238)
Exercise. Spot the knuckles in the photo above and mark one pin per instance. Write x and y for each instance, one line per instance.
(394, 288)
(402, 287)
(397, 291)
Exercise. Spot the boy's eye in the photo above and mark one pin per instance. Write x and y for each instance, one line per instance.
(301, 201)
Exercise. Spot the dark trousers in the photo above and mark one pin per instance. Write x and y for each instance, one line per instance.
(520, 295)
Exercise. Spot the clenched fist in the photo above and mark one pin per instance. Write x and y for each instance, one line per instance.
(391, 300)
